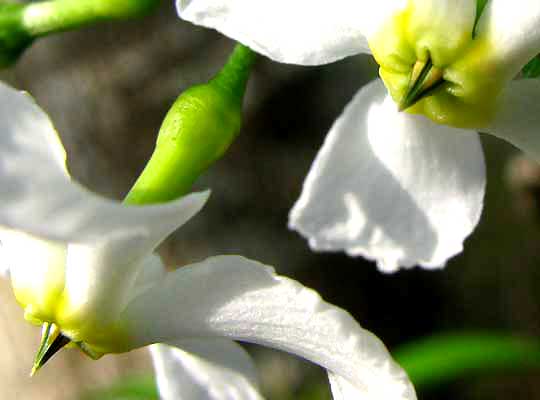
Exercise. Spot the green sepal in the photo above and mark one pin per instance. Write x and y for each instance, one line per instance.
(424, 80)
(52, 341)
(94, 355)
(480, 5)
(532, 68)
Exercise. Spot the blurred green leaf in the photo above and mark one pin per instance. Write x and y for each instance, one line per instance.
(430, 361)
(532, 69)
(442, 358)
(134, 388)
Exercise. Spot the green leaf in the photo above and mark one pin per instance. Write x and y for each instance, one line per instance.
(442, 358)
(532, 69)
(134, 388)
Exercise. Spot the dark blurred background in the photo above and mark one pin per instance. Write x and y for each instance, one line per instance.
(107, 89)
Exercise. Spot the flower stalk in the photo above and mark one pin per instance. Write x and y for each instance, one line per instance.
(52, 16)
(22, 23)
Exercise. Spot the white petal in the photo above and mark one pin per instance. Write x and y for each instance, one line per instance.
(100, 278)
(518, 116)
(299, 32)
(36, 269)
(393, 187)
(150, 273)
(244, 300)
(204, 369)
(342, 389)
(513, 31)
(38, 197)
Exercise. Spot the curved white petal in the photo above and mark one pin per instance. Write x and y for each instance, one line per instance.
(393, 187)
(518, 118)
(513, 30)
(100, 277)
(244, 300)
(342, 389)
(38, 197)
(299, 32)
(204, 369)
(151, 272)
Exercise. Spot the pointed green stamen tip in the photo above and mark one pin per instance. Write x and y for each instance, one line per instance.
(425, 78)
(52, 340)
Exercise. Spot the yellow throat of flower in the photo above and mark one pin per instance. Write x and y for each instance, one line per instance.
(434, 66)
(38, 280)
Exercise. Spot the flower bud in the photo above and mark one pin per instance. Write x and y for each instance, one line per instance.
(196, 132)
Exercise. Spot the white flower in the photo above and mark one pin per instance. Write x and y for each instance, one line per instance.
(397, 187)
(84, 264)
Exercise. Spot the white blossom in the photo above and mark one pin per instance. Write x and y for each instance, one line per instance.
(393, 186)
(85, 264)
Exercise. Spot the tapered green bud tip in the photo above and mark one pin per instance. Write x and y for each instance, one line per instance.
(52, 341)
(198, 129)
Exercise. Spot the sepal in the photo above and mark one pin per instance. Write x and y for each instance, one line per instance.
(52, 341)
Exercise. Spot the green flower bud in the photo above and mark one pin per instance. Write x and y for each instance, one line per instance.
(196, 132)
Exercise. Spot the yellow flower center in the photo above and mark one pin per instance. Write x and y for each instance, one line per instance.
(468, 79)
(38, 279)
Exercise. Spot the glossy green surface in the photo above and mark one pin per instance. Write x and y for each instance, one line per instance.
(198, 129)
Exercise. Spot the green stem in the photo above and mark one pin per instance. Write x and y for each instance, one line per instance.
(234, 75)
(51, 16)
(196, 132)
